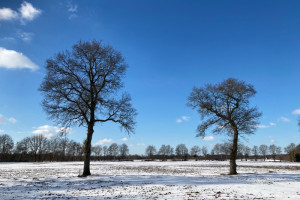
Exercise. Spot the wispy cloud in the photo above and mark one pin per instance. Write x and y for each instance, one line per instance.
(124, 139)
(7, 14)
(12, 120)
(272, 124)
(208, 138)
(262, 126)
(3, 120)
(140, 144)
(284, 119)
(11, 59)
(72, 9)
(296, 112)
(1, 131)
(182, 119)
(105, 140)
(50, 131)
(26, 37)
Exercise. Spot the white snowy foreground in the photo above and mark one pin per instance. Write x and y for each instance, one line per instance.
(150, 180)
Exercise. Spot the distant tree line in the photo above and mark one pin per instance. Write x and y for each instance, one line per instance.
(222, 152)
(38, 148)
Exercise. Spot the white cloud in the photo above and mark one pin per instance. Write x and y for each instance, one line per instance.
(272, 124)
(50, 131)
(28, 12)
(262, 126)
(11, 59)
(124, 139)
(7, 14)
(209, 138)
(182, 119)
(141, 144)
(105, 140)
(296, 112)
(284, 119)
(1, 131)
(12, 120)
(26, 37)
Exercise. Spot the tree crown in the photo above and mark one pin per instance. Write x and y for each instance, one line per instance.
(225, 105)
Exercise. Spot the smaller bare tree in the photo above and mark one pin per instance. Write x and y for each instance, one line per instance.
(150, 151)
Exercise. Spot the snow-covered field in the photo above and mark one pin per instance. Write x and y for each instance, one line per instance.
(150, 180)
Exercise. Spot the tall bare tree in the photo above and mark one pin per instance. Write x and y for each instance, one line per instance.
(226, 106)
(81, 88)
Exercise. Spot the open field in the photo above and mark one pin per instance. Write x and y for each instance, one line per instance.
(150, 180)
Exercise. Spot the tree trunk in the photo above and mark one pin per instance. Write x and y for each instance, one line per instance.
(87, 150)
(233, 153)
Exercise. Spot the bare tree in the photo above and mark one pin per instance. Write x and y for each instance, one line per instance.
(241, 151)
(255, 152)
(272, 150)
(124, 150)
(204, 151)
(6, 144)
(182, 151)
(290, 151)
(278, 152)
(97, 150)
(150, 151)
(247, 152)
(263, 149)
(216, 150)
(226, 106)
(74, 149)
(80, 88)
(165, 150)
(37, 145)
(105, 151)
(195, 151)
(113, 150)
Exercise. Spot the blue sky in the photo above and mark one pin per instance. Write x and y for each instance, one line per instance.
(170, 46)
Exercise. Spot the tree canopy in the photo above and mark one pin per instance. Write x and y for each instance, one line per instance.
(225, 106)
(81, 87)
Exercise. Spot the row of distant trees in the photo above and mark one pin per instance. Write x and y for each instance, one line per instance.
(60, 148)
(222, 151)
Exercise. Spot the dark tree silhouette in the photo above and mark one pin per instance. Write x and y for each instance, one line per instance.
(226, 106)
(81, 88)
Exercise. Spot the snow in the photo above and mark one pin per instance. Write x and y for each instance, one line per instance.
(150, 180)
